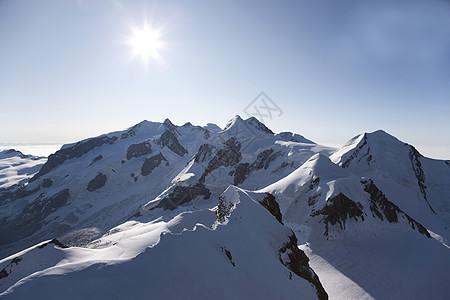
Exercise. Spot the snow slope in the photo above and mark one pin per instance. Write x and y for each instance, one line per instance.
(193, 255)
(16, 168)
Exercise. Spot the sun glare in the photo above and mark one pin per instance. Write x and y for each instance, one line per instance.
(145, 43)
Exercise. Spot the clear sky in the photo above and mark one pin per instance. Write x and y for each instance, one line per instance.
(335, 69)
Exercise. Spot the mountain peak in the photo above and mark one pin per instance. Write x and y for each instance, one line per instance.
(381, 136)
(233, 122)
(251, 124)
(252, 121)
(169, 125)
(294, 137)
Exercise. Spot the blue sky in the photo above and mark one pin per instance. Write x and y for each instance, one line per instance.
(335, 68)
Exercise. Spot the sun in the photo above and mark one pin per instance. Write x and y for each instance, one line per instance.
(145, 43)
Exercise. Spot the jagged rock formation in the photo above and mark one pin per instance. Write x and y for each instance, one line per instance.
(381, 206)
(338, 209)
(298, 263)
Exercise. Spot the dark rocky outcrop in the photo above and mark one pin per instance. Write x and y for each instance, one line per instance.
(416, 164)
(226, 157)
(183, 194)
(223, 209)
(262, 161)
(298, 262)
(254, 122)
(132, 131)
(16, 192)
(6, 271)
(264, 158)
(241, 172)
(151, 163)
(32, 217)
(355, 153)
(138, 150)
(54, 242)
(169, 139)
(170, 126)
(75, 151)
(272, 206)
(382, 208)
(312, 185)
(204, 153)
(228, 255)
(338, 209)
(96, 159)
(46, 183)
(97, 182)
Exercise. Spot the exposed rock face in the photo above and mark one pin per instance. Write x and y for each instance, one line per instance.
(272, 206)
(241, 172)
(11, 195)
(32, 217)
(46, 183)
(170, 126)
(312, 185)
(338, 210)
(97, 182)
(228, 254)
(355, 152)
(204, 153)
(223, 209)
(168, 139)
(137, 150)
(151, 163)
(262, 161)
(183, 194)
(258, 125)
(97, 158)
(415, 156)
(226, 157)
(78, 150)
(132, 131)
(380, 206)
(297, 261)
(54, 242)
(6, 271)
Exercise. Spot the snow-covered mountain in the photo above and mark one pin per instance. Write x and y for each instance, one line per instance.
(16, 167)
(166, 211)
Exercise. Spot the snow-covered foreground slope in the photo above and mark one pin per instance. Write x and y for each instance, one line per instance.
(236, 250)
(16, 168)
(166, 211)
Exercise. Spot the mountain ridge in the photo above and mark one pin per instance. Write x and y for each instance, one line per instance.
(104, 196)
